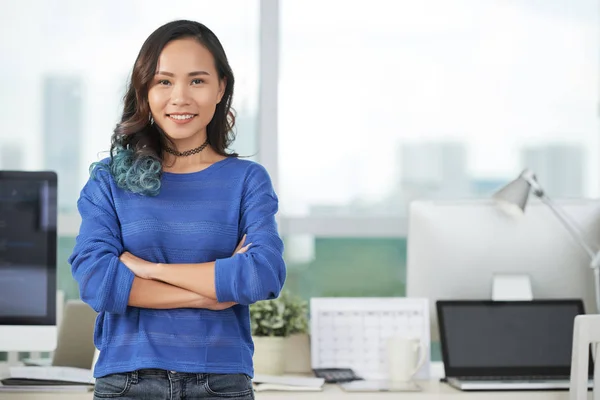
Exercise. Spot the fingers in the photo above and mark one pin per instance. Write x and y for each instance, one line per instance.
(223, 306)
(124, 258)
(215, 306)
(244, 249)
(240, 247)
(241, 244)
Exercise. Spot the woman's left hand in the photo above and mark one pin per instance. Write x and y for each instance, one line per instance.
(141, 268)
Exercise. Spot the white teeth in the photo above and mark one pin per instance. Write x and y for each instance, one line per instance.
(181, 116)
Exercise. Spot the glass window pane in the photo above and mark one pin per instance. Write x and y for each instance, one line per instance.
(335, 267)
(385, 101)
(65, 64)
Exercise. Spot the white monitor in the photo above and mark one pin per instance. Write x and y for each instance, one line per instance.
(28, 219)
(456, 247)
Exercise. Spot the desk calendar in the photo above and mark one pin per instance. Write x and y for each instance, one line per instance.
(352, 332)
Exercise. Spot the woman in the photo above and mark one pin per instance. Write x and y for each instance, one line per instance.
(161, 219)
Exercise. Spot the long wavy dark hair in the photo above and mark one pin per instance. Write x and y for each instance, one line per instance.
(136, 151)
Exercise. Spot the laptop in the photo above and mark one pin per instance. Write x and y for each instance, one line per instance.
(513, 345)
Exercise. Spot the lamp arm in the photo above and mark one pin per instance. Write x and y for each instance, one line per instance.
(578, 236)
(571, 227)
(574, 230)
(597, 287)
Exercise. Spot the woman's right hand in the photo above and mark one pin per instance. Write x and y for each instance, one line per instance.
(216, 306)
(210, 304)
(240, 247)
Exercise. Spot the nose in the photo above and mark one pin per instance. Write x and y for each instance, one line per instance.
(180, 95)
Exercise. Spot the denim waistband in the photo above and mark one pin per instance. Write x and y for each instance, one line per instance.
(161, 373)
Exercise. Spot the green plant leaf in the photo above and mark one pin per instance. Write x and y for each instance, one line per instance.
(283, 316)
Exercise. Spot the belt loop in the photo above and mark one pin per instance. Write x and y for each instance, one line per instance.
(134, 377)
(200, 378)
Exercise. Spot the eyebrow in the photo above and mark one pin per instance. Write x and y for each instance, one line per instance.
(194, 73)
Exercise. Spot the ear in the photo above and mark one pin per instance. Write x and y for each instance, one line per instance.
(222, 87)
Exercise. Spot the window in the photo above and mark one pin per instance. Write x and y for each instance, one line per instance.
(382, 102)
(65, 67)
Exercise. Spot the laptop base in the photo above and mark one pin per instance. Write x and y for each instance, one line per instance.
(498, 385)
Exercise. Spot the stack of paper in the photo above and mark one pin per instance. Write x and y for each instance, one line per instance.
(60, 376)
(45, 389)
(287, 383)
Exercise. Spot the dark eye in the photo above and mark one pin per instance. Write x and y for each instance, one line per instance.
(164, 82)
(197, 81)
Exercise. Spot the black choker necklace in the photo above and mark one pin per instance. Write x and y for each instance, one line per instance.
(187, 152)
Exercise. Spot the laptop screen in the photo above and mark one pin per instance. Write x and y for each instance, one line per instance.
(487, 338)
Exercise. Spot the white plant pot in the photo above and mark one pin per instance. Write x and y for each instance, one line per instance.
(297, 354)
(269, 355)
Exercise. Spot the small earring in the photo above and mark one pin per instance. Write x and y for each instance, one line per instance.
(151, 119)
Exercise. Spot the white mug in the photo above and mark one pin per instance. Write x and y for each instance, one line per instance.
(405, 357)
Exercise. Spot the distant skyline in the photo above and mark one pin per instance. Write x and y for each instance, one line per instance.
(559, 170)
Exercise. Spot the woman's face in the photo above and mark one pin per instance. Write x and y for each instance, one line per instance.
(185, 91)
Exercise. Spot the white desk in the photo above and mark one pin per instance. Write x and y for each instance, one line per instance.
(432, 390)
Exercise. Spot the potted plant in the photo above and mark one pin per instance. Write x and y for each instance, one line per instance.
(273, 322)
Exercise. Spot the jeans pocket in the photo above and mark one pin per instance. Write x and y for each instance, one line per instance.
(228, 385)
(111, 386)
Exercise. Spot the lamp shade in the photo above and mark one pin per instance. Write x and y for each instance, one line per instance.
(513, 196)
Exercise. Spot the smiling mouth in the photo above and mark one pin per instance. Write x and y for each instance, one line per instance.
(181, 117)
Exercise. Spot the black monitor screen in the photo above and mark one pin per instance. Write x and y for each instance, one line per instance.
(28, 219)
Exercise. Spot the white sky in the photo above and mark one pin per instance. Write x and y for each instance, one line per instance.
(357, 79)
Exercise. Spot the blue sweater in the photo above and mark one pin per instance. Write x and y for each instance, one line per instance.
(197, 217)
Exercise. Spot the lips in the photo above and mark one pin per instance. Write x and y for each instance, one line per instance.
(181, 118)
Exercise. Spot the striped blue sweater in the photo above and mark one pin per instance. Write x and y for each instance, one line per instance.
(197, 217)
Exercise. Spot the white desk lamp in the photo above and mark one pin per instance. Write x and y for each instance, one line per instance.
(513, 199)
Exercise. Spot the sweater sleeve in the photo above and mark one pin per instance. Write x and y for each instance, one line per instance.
(259, 273)
(104, 281)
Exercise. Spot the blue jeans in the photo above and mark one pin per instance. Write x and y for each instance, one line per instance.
(155, 384)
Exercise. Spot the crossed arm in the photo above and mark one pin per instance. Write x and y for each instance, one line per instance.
(150, 288)
(105, 283)
(110, 278)
(147, 293)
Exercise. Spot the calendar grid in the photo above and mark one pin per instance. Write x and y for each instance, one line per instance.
(352, 332)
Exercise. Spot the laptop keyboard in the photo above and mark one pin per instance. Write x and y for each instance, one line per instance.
(514, 378)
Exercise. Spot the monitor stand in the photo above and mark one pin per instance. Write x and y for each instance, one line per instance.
(511, 287)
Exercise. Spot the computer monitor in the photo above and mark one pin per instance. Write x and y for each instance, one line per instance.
(456, 247)
(28, 219)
